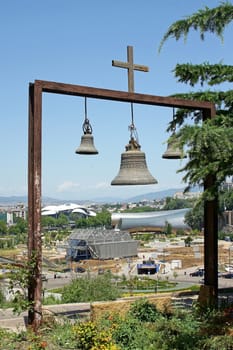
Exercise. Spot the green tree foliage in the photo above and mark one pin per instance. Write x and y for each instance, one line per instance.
(62, 220)
(168, 228)
(18, 285)
(207, 20)
(209, 145)
(139, 209)
(18, 232)
(48, 221)
(226, 200)
(187, 241)
(21, 225)
(3, 227)
(195, 217)
(101, 219)
(210, 151)
(176, 203)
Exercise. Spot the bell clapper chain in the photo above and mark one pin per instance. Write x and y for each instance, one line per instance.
(134, 141)
(87, 129)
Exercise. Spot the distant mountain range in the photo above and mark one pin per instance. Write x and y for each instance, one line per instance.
(13, 200)
(155, 195)
(141, 197)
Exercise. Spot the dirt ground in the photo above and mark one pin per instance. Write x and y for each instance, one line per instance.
(189, 256)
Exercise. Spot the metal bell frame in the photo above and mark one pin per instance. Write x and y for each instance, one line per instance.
(133, 167)
(87, 140)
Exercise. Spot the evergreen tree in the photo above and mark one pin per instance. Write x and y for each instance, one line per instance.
(208, 142)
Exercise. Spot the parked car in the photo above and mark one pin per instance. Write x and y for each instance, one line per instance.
(80, 269)
(197, 273)
(221, 274)
(228, 275)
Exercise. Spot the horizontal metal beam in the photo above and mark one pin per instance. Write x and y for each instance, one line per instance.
(105, 94)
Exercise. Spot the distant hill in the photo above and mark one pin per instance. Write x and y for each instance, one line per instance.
(155, 195)
(13, 200)
(141, 197)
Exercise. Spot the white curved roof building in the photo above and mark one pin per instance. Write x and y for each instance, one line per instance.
(155, 219)
(69, 207)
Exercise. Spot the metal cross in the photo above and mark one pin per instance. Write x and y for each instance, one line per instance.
(131, 67)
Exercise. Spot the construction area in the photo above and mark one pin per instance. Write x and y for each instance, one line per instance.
(165, 252)
(189, 257)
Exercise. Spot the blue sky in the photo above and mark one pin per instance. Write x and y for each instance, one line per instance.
(74, 41)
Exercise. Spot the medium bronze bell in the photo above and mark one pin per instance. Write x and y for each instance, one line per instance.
(133, 168)
(87, 145)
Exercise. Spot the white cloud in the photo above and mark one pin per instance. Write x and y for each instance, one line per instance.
(68, 186)
(102, 185)
(13, 191)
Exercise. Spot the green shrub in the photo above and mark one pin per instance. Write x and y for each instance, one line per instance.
(62, 335)
(2, 298)
(51, 300)
(89, 289)
(90, 337)
(177, 332)
(144, 311)
(219, 342)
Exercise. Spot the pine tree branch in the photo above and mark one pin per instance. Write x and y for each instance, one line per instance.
(204, 73)
(207, 20)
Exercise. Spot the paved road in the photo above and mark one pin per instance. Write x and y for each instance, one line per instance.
(18, 322)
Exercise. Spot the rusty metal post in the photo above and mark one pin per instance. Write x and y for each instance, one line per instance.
(34, 205)
(209, 291)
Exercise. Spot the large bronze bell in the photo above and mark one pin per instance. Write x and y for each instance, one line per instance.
(133, 168)
(87, 145)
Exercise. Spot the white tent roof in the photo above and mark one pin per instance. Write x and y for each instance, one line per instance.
(74, 208)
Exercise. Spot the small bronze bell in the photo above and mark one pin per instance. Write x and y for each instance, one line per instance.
(87, 145)
(173, 150)
(87, 140)
(133, 168)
